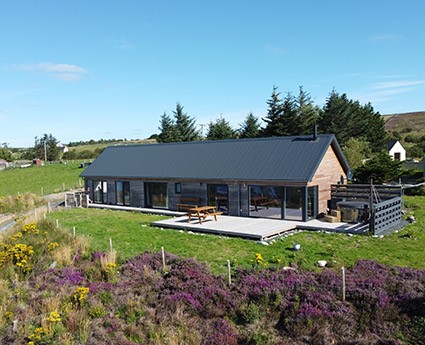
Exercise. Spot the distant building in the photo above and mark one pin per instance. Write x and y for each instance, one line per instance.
(63, 148)
(396, 150)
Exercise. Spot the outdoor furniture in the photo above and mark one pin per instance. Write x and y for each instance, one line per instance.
(187, 203)
(261, 201)
(203, 212)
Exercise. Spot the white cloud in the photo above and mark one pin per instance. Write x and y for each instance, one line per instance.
(64, 72)
(398, 84)
(387, 91)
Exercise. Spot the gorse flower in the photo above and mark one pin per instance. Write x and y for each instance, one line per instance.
(37, 336)
(52, 245)
(80, 295)
(54, 316)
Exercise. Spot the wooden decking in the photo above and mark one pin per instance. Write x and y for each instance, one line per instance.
(254, 228)
(260, 229)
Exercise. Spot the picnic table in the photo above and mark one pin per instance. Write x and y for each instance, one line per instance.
(203, 212)
(261, 201)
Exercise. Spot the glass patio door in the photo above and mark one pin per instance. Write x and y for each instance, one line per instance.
(122, 190)
(156, 195)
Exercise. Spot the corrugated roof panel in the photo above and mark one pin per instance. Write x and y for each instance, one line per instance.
(278, 158)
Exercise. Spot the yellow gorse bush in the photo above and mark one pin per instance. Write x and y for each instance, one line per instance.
(19, 255)
(80, 294)
(54, 316)
(37, 336)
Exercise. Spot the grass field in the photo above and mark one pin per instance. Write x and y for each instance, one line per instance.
(132, 234)
(48, 179)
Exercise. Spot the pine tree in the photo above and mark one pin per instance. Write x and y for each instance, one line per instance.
(307, 113)
(274, 118)
(185, 125)
(288, 124)
(250, 128)
(219, 130)
(168, 132)
(349, 119)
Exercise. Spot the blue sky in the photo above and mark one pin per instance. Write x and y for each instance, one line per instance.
(85, 70)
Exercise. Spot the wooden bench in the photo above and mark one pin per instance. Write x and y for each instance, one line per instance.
(202, 213)
(187, 203)
(262, 201)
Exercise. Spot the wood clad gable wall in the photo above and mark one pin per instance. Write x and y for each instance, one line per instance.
(329, 172)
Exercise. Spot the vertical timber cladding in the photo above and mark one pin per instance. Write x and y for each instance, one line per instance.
(137, 194)
(329, 172)
(233, 201)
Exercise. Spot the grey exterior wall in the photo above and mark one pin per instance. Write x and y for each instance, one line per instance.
(137, 193)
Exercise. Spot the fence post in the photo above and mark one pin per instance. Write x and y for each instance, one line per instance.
(110, 244)
(163, 258)
(57, 223)
(343, 283)
(48, 207)
(229, 275)
(73, 231)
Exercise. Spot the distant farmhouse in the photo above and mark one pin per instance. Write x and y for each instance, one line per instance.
(279, 177)
(396, 150)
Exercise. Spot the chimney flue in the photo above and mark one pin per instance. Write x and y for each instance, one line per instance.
(315, 131)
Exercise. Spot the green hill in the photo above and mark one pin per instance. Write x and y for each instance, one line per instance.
(406, 122)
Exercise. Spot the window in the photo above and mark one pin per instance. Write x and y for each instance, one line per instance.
(100, 192)
(122, 190)
(178, 188)
(294, 203)
(218, 196)
(156, 195)
(265, 201)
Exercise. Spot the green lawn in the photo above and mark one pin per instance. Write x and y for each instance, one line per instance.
(131, 234)
(48, 179)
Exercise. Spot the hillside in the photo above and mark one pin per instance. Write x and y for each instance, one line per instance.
(406, 122)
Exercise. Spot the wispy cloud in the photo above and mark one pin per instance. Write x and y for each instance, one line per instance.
(276, 50)
(386, 91)
(123, 44)
(398, 84)
(64, 72)
(385, 37)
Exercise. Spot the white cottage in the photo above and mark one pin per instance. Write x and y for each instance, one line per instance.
(396, 150)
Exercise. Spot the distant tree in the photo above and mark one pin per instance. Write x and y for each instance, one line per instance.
(185, 125)
(414, 151)
(219, 130)
(274, 118)
(168, 132)
(396, 135)
(307, 113)
(250, 128)
(347, 119)
(381, 168)
(5, 153)
(356, 151)
(46, 147)
(290, 124)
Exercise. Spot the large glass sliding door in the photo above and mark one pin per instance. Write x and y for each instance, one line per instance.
(312, 202)
(294, 203)
(122, 190)
(265, 201)
(100, 192)
(156, 195)
(218, 196)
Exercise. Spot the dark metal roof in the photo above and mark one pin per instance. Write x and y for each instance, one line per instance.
(264, 159)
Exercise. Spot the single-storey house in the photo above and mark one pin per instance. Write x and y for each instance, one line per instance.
(278, 177)
(396, 150)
